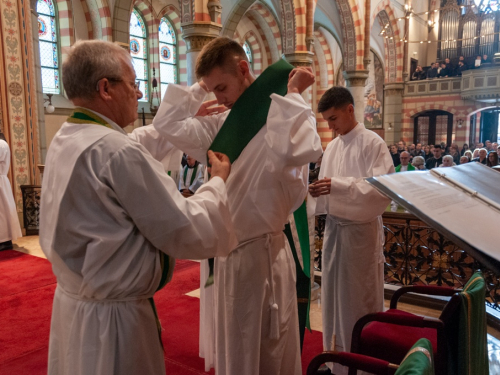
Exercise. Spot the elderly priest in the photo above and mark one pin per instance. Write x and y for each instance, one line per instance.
(111, 218)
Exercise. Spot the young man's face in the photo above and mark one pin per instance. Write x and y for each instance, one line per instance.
(341, 120)
(437, 152)
(228, 85)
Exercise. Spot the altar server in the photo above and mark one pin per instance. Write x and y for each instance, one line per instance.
(256, 324)
(353, 263)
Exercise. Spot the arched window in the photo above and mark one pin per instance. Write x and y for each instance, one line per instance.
(49, 55)
(248, 51)
(139, 52)
(168, 55)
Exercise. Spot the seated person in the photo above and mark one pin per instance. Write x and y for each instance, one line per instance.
(482, 156)
(405, 163)
(419, 163)
(485, 59)
(492, 159)
(464, 159)
(477, 62)
(448, 161)
(437, 159)
(191, 177)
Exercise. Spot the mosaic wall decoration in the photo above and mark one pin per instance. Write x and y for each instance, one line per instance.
(374, 94)
(19, 88)
(139, 52)
(168, 55)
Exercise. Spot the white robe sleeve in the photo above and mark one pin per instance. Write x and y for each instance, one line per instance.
(158, 146)
(353, 198)
(195, 228)
(293, 143)
(176, 120)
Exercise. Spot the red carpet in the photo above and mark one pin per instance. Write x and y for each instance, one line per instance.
(26, 290)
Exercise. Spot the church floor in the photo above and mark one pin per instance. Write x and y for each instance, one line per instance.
(30, 245)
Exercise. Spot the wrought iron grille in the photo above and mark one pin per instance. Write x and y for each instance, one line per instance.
(31, 208)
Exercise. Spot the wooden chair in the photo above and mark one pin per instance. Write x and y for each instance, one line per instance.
(458, 336)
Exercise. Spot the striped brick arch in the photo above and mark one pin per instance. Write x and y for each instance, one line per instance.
(268, 27)
(256, 51)
(98, 18)
(324, 70)
(173, 15)
(66, 27)
(384, 13)
(352, 34)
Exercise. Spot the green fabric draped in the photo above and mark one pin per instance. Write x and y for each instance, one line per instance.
(419, 360)
(247, 117)
(472, 355)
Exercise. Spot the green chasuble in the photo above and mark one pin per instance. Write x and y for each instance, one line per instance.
(246, 119)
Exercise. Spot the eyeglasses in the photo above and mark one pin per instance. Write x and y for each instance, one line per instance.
(134, 84)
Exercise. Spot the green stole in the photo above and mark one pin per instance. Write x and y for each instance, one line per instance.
(83, 116)
(193, 176)
(247, 117)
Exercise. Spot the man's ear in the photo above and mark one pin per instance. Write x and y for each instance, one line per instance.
(244, 68)
(103, 89)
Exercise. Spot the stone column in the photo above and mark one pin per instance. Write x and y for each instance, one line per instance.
(355, 81)
(393, 111)
(197, 35)
(302, 59)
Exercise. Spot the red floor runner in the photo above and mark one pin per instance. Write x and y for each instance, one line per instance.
(26, 290)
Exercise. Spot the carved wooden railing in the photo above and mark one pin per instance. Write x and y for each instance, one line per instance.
(416, 254)
(31, 208)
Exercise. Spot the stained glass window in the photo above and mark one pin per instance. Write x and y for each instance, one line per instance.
(168, 55)
(49, 55)
(248, 51)
(139, 52)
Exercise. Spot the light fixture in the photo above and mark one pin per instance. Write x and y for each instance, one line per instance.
(459, 123)
(47, 103)
(390, 126)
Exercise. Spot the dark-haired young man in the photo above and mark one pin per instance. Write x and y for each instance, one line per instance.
(353, 262)
(256, 320)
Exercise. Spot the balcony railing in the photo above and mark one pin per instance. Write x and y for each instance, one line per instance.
(436, 86)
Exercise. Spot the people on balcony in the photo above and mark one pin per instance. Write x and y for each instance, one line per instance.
(418, 74)
(461, 67)
(485, 59)
(432, 72)
(445, 71)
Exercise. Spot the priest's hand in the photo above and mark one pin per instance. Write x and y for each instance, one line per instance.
(207, 108)
(220, 165)
(320, 187)
(300, 79)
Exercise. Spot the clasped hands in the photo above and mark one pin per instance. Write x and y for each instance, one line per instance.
(320, 187)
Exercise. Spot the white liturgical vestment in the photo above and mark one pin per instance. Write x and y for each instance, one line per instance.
(108, 208)
(268, 181)
(10, 230)
(352, 265)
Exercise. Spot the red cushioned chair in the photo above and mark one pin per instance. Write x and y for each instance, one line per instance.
(389, 335)
(353, 361)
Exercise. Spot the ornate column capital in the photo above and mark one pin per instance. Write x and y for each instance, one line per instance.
(299, 58)
(355, 78)
(394, 89)
(197, 34)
